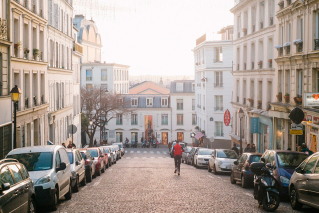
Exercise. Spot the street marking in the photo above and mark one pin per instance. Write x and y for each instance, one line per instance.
(128, 157)
(152, 157)
(135, 157)
(97, 183)
(164, 153)
(138, 152)
(151, 152)
(160, 157)
(131, 151)
(250, 195)
(125, 151)
(145, 151)
(158, 152)
(143, 157)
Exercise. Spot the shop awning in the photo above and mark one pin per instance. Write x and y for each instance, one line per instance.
(199, 135)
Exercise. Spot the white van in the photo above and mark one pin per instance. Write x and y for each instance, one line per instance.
(50, 170)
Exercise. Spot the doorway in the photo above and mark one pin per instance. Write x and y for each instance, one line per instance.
(119, 137)
(164, 137)
(180, 136)
(134, 137)
(148, 119)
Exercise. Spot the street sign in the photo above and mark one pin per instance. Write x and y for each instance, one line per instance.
(72, 130)
(296, 132)
(254, 125)
(296, 126)
(297, 115)
(227, 117)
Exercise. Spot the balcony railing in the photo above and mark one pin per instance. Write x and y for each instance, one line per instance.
(271, 21)
(218, 84)
(78, 48)
(219, 134)
(299, 47)
(3, 29)
(316, 44)
(281, 5)
(35, 100)
(218, 108)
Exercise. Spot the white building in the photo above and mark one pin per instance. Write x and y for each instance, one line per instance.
(182, 103)
(29, 69)
(253, 71)
(213, 88)
(60, 74)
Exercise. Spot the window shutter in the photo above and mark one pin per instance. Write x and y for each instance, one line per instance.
(56, 16)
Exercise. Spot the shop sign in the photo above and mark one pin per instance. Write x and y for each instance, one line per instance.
(112, 133)
(227, 117)
(315, 120)
(295, 132)
(254, 125)
(312, 99)
(309, 118)
(314, 130)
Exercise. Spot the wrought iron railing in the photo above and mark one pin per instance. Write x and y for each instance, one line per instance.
(299, 47)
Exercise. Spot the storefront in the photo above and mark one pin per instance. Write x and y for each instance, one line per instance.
(134, 137)
(265, 137)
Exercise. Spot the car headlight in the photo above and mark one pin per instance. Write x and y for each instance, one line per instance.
(284, 180)
(73, 175)
(264, 182)
(43, 180)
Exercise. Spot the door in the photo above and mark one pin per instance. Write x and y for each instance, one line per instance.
(180, 136)
(10, 198)
(236, 168)
(82, 166)
(304, 188)
(66, 174)
(164, 137)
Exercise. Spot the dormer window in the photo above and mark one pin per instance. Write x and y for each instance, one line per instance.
(149, 102)
(179, 87)
(164, 101)
(134, 102)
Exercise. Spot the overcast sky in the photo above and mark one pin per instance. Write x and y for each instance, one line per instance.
(155, 36)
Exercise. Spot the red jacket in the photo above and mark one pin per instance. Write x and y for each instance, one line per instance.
(177, 150)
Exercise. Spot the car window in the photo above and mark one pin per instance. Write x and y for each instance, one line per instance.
(64, 156)
(255, 158)
(310, 165)
(76, 157)
(290, 159)
(70, 155)
(266, 155)
(240, 160)
(83, 155)
(23, 170)
(16, 173)
(5, 176)
(79, 155)
(227, 154)
(317, 168)
(106, 150)
(93, 152)
(271, 158)
(57, 160)
(205, 152)
(88, 155)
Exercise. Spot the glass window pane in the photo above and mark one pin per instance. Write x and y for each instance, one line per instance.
(6, 177)
(16, 173)
(23, 171)
(310, 165)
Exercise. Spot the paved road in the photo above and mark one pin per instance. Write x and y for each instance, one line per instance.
(143, 181)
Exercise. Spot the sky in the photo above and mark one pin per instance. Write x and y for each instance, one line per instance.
(155, 37)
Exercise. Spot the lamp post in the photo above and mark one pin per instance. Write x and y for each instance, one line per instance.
(101, 129)
(91, 131)
(15, 97)
(241, 115)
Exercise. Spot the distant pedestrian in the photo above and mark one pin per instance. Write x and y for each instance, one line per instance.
(299, 149)
(71, 145)
(253, 148)
(157, 143)
(177, 151)
(247, 148)
(63, 144)
(306, 150)
(95, 143)
(235, 149)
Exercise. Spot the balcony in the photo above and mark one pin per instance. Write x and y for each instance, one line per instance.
(218, 108)
(271, 21)
(3, 29)
(261, 25)
(316, 44)
(78, 48)
(219, 134)
(218, 84)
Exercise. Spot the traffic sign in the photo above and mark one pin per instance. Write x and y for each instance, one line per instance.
(296, 132)
(72, 129)
(227, 118)
(296, 126)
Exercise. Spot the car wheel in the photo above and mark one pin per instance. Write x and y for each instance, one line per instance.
(83, 182)
(196, 166)
(215, 172)
(209, 169)
(89, 178)
(32, 206)
(294, 199)
(232, 180)
(68, 195)
(243, 182)
(55, 201)
(77, 185)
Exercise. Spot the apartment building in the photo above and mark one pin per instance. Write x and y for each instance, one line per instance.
(5, 80)
(297, 72)
(28, 21)
(253, 71)
(60, 73)
(213, 88)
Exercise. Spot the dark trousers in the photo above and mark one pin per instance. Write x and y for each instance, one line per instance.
(177, 159)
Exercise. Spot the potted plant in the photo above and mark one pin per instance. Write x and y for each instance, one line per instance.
(298, 100)
(36, 52)
(26, 50)
(279, 96)
(196, 127)
(250, 100)
(203, 131)
(286, 97)
(260, 62)
(281, 3)
(259, 104)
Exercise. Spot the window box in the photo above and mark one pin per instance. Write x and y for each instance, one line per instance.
(250, 100)
(281, 5)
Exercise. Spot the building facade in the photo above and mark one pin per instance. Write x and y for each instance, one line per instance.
(213, 88)
(28, 21)
(253, 72)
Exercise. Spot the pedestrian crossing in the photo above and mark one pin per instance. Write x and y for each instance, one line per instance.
(145, 157)
(145, 152)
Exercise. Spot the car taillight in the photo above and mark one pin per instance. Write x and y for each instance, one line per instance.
(87, 162)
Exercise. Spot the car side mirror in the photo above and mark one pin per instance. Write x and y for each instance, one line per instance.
(236, 162)
(5, 186)
(62, 167)
(263, 160)
(299, 170)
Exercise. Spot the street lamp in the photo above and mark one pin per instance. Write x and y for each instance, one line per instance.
(15, 97)
(241, 115)
(105, 91)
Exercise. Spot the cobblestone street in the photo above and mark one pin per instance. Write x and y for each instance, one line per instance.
(143, 181)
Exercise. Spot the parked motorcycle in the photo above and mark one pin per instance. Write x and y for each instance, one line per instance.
(127, 145)
(266, 187)
(148, 144)
(134, 144)
(143, 145)
(154, 145)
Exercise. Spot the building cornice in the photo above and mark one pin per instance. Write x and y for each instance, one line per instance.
(104, 64)
(92, 44)
(256, 34)
(259, 71)
(68, 4)
(53, 70)
(214, 43)
(61, 110)
(33, 109)
(22, 60)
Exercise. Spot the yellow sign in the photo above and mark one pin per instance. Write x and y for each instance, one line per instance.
(296, 132)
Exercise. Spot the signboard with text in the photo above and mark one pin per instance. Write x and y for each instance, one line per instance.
(112, 134)
(311, 99)
(295, 132)
(227, 117)
(254, 125)
(315, 120)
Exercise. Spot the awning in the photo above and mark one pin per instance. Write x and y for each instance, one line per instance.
(199, 135)
(287, 44)
(278, 46)
(297, 41)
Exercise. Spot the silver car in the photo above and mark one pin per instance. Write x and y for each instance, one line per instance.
(113, 150)
(185, 154)
(77, 168)
(121, 147)
(202, 157)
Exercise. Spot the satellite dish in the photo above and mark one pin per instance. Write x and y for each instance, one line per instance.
(297, 115)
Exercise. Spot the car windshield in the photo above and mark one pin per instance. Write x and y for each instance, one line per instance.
(227, 154)
(205, 152)
(287, 159)
(255, 158)
(93, 152)
(106, 150)
(37, 161)
(70, 155)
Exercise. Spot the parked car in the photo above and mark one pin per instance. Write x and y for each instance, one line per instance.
(109, 154)
(98, 159)
(285, 163)
(241, 171)
(222, 160)
(49, 168)
(90, 165)
(304, 184)
(190, 156)
(17, 192)
(185, 154)
(105, 158)
(174, 143)
(118, 152)
(121, 147)
(202, 157)
(113, 150)
(77, 169)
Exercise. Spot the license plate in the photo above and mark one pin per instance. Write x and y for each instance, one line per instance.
(206, 162)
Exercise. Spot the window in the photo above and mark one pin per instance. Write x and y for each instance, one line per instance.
(179, 87)
(194, 119)
(119, 137)
(219, 132)
(16, 173)
(310, 165)
(23, 171)
(104, 75)
(164, 119)
(179, 103)
(193, 104)
(317, 168)
(6, 177)
(218, 79)
(89, 75)
(179, 119)
(164, 101)
(57, 160)
(193, 87)
(134, 102)
(149, 102)
(300, 82)
(219, 54)
(119, 120)
(219, 103)
(134, 119)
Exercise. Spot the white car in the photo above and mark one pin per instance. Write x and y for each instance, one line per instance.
(121, 147)
(222, 160)
(77, 169)
(50, 170)
(202, 157)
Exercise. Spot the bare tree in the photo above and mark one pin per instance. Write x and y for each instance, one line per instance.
(100, 107)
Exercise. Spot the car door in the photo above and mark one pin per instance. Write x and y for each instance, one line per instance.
(28, 185)
(10, 199)
(59, 174)
(236, 168)
(314, 186)
(66, 174)
(81, 165)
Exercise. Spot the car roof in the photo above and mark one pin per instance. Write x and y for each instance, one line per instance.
(285, 151)
(71, 150)
(30, 149)
(252, 153)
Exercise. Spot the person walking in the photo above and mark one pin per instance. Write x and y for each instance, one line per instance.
(253, 148)
(235, 149)
(247, 148)
(177, 151)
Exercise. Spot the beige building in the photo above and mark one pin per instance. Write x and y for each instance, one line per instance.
(29, 69)
(297, 72)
